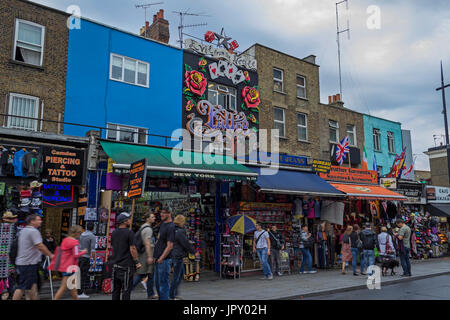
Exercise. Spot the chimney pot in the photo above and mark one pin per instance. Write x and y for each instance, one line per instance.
(334, 98)
(147, 24)
(154, 18)
(329, 99)
(338, 97)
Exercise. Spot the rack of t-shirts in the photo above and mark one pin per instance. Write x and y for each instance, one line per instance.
(20, 161)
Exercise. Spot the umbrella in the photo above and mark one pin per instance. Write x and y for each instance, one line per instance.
(241, 224)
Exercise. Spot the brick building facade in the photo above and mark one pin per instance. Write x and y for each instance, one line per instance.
(33, 60)
(288, 102)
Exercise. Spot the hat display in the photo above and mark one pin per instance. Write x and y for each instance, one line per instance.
(9, 215)
(25, 202)
(35, 184)
(124, 216)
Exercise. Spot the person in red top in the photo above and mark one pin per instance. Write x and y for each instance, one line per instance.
(68, 260)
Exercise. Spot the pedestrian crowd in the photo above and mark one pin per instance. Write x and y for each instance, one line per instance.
(138, 256)
(355, 245)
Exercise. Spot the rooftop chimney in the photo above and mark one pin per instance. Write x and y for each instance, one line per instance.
(159, 30)
(335, 100)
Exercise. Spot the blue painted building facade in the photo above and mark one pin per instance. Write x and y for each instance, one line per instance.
(383, 138)
(120, 80)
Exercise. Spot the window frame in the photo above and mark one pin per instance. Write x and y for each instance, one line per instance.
(278, 121)
(16, 38)
(376, 133)
(279, 80)
(231, 93)
(10, 115)
(302, 126)
(390, 134)
(354, 135)
(337, 130)
(120, 126)
(137, 61)
(304, 87)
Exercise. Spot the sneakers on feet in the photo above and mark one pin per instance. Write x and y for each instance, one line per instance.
(279, 274)
(270, 277)
(83, 296)
(355, 274)
(312, 271)
(144, 285)
(154, 297)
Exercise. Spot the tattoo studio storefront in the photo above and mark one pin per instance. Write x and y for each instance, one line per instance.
(42, 174)
(193, 184)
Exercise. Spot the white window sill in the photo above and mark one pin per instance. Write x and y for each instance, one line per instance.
(284, 93)
(129, 83)
(304, 141)
(301, 98)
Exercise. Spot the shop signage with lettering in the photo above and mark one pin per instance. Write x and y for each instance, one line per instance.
(250, 206)
(438, 194)
(63, 166)
(321, 166)
(286, 159)
(138, 173)
(58, 196)
(350, 175)
(388, 183)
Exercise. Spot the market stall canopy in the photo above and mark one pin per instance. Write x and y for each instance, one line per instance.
(368, 192)
(439, 209)
(295, 182)
(166, 162)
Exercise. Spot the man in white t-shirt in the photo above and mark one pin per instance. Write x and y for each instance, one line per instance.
(261, 245)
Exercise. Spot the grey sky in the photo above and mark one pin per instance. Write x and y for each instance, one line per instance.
(391, 72)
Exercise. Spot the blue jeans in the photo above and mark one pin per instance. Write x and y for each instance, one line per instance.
(404, 260)
(355, 253)
(138, 278)
(162, 272)
(369, 259)
(262, 254)
(178, 273)
(307, 259)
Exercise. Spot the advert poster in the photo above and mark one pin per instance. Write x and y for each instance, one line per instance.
(63, 166)
(321, 166)
(138, 173)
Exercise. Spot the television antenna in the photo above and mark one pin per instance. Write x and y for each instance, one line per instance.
(338, 42)
(145, 7)
(182, 26)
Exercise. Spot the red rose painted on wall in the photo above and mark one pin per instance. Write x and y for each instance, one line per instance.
(195, 82)
(251, 98)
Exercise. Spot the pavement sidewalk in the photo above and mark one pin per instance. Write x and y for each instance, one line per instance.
(294, 286)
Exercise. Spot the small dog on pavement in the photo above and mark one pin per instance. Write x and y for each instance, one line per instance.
(389, 264)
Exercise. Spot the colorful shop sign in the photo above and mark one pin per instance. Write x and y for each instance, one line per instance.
(350, 175)
(63, 166)
(321, 166)
(286, 159)
(220, 100)
(58, 196)
(138, 173)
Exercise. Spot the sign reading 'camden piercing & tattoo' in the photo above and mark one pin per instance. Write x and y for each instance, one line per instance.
(62, 166)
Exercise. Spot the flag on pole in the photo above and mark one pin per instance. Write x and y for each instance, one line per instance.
(364, 164)
(375, 167)
(341, 150)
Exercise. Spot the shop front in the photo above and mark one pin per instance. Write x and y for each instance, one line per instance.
(287, 196)
(438, 207)
(197, 187)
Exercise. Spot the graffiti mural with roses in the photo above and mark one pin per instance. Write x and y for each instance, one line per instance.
(241, 115)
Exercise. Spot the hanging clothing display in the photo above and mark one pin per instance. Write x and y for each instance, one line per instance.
(317, 209)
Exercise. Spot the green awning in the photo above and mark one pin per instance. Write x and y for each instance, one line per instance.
(166, 162)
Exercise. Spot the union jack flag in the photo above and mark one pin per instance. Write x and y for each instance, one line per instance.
(341, 150)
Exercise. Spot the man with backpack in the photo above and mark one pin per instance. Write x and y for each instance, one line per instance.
(277, 244)
(125, 258)
(369, 242)
(144, 246)
(29, 248)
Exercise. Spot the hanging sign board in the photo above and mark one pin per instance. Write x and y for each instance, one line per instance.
(138, 173)
(350, 175)
(388, 183)
(321, 166)
(62, 166)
